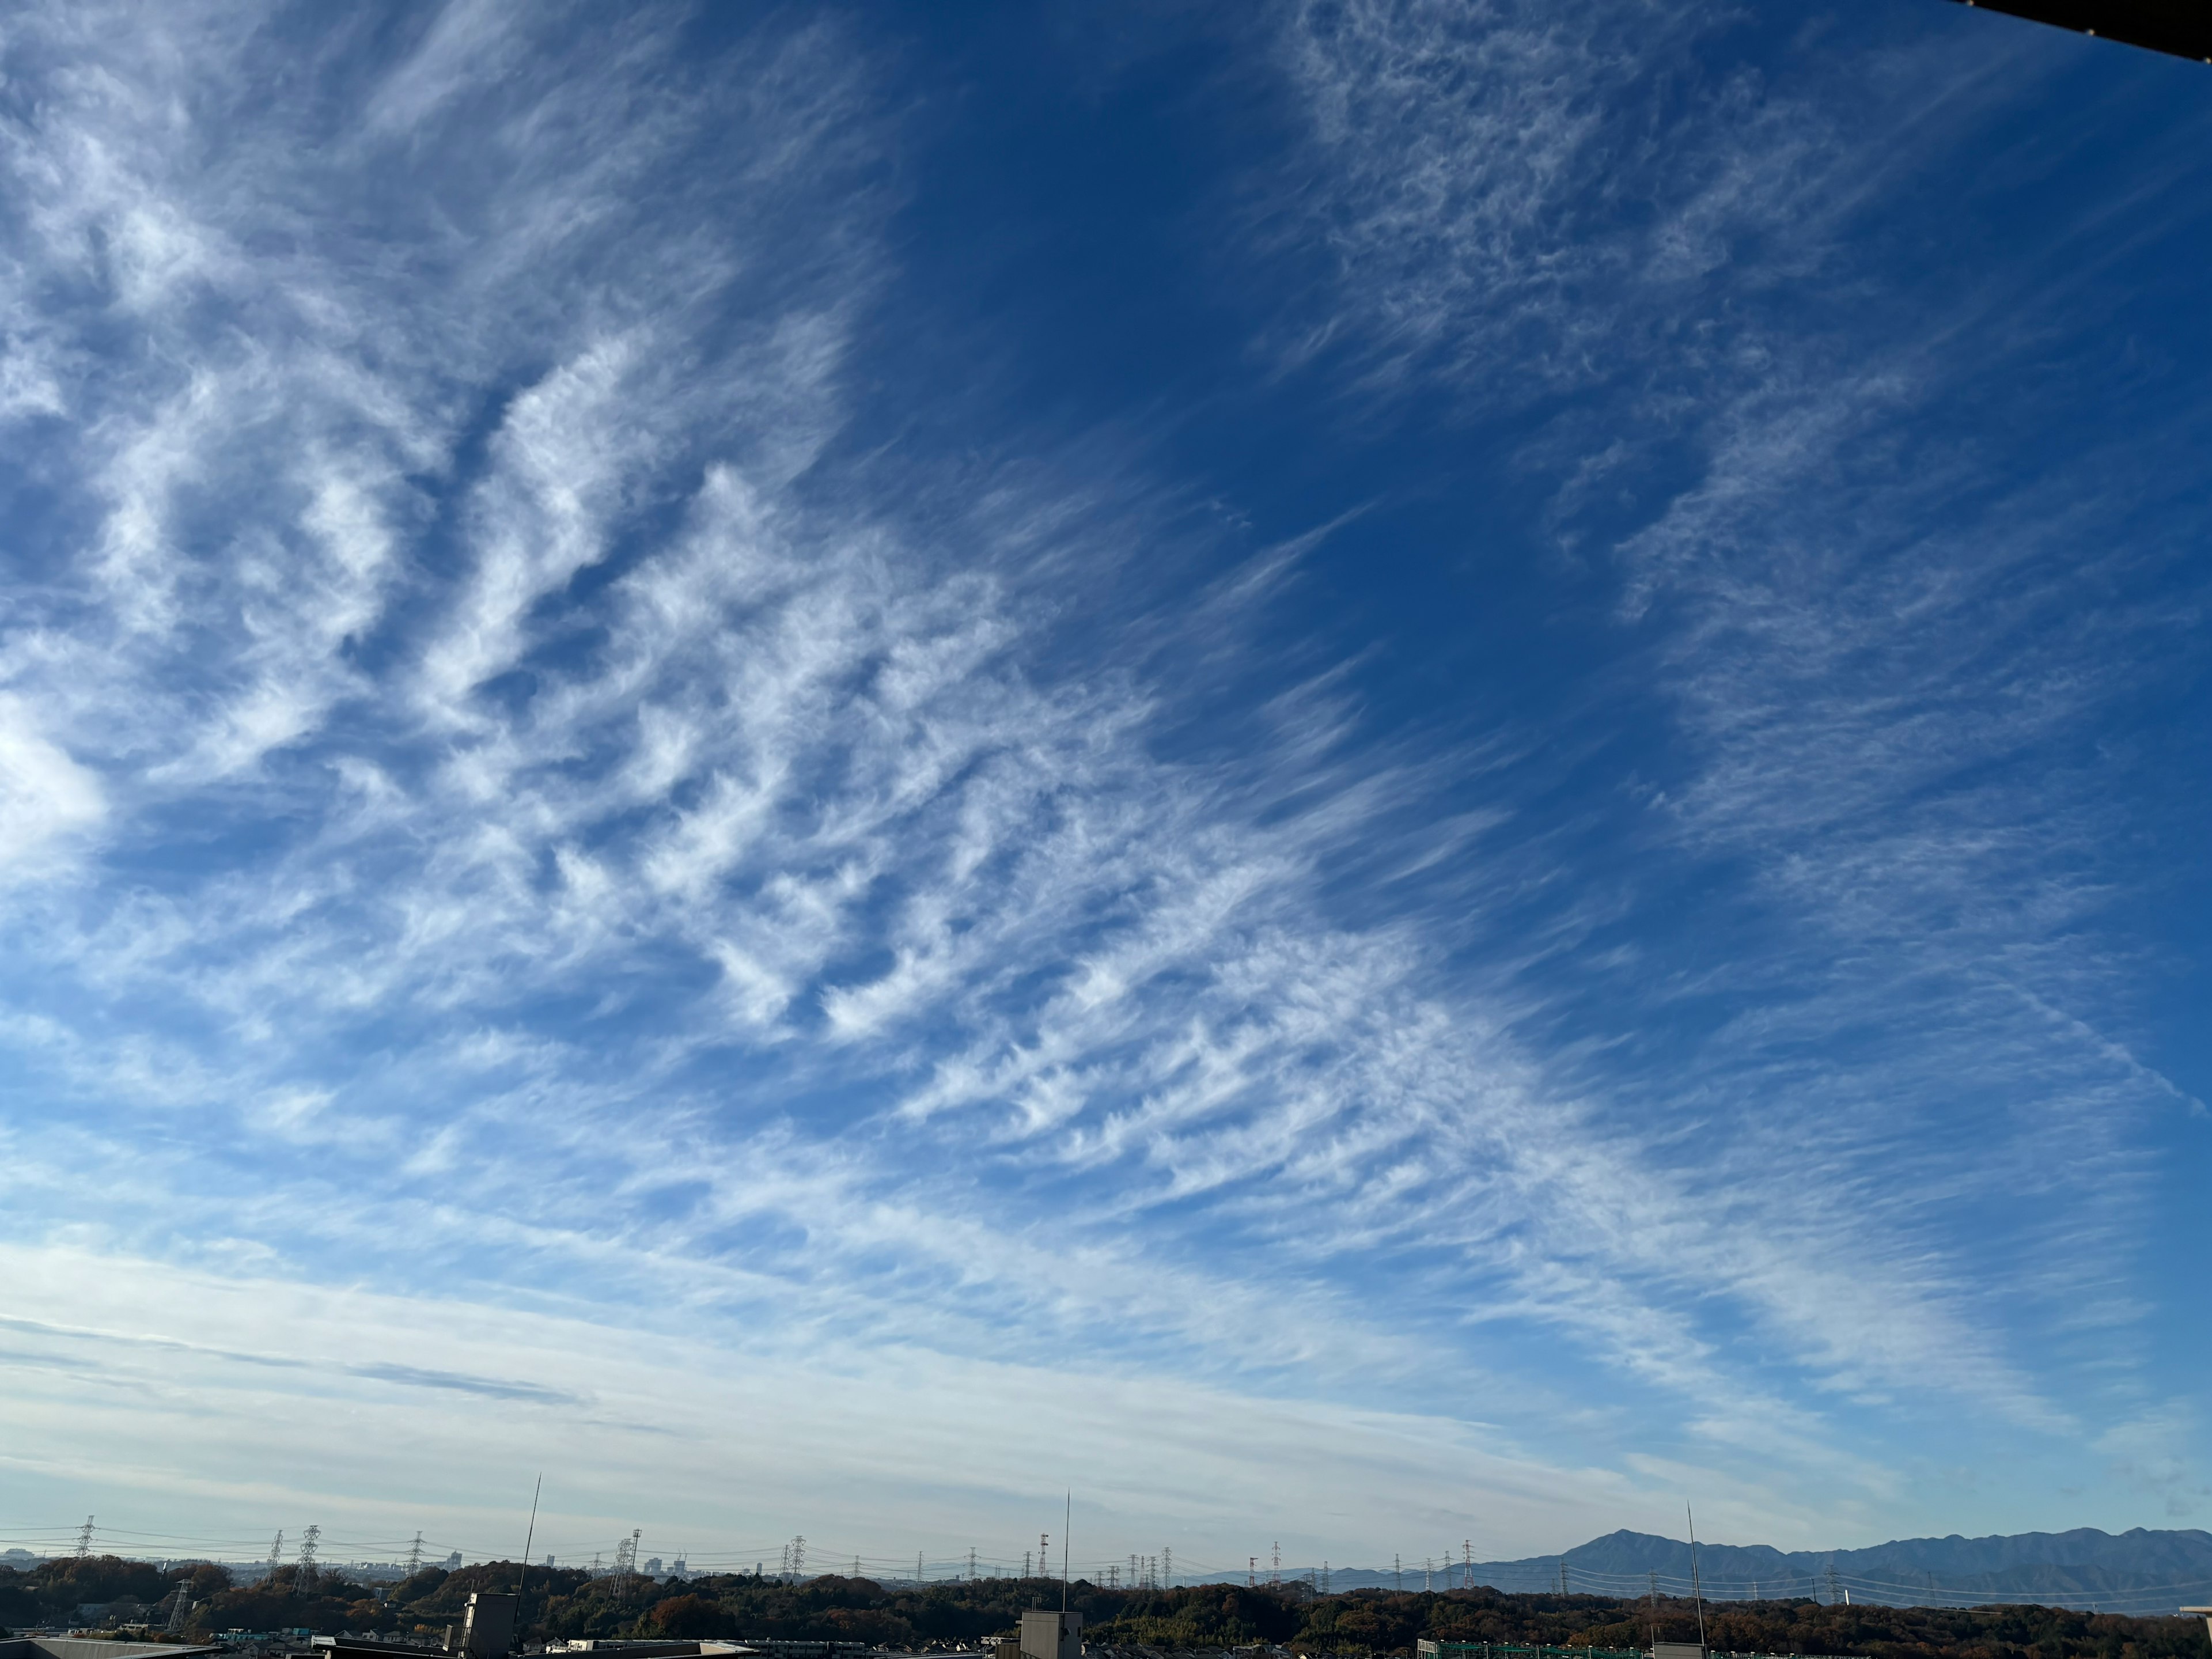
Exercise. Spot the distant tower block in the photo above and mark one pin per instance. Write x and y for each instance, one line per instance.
(1049, 1635)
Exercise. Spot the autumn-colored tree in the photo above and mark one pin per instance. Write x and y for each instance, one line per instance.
(692, 1616)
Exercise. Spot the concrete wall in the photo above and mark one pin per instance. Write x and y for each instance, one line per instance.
(1051, 1635)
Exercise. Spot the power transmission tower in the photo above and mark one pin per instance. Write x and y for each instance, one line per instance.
(178, 1609)
(1397, 1573)
(1466, 1577)
(1044, 1553)
(798, 1556)
(1252, 1573)
(1835, 1590)
(275, 1552)
(1563, 1577)
(917, 1566)
(84, 1539)
(415, 1556)
(1275, 1564)
(1167, 1567)
(626, 1562)
(1324, 1577)
(1026, 1565)
(308, 1541)
(971, 1563)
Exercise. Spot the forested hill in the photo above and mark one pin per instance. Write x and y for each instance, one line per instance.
(2138, 1571)
(1355, 1623)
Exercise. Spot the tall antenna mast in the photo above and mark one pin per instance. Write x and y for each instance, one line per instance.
(528, 1539)
(1697, 1589)
(1067, 1524)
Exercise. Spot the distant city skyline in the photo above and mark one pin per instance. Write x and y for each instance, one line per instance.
(1356, 774)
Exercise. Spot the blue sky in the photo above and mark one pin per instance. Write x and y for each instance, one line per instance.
(1366, 774)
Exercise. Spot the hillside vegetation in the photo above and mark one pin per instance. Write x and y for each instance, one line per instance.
(568, 1602)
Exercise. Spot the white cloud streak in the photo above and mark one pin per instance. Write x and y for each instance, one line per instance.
(551, 827)
(1866, 679)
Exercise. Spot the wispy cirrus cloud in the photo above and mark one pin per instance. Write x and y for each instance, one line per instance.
(1871, 681)
(535, 805)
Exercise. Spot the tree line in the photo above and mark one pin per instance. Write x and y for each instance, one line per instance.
(568, 1602)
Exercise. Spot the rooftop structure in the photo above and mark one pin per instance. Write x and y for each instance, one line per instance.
(93, 1647)
(1048, 1635)
(2183, 27)
(488, 1626)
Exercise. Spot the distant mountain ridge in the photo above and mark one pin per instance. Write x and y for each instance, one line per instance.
(2139, 1570)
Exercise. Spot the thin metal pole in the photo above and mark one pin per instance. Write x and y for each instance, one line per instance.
(1697, 1589)
(529, 1539)
(1067, 1521)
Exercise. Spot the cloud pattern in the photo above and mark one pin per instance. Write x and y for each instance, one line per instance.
(511, 791)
